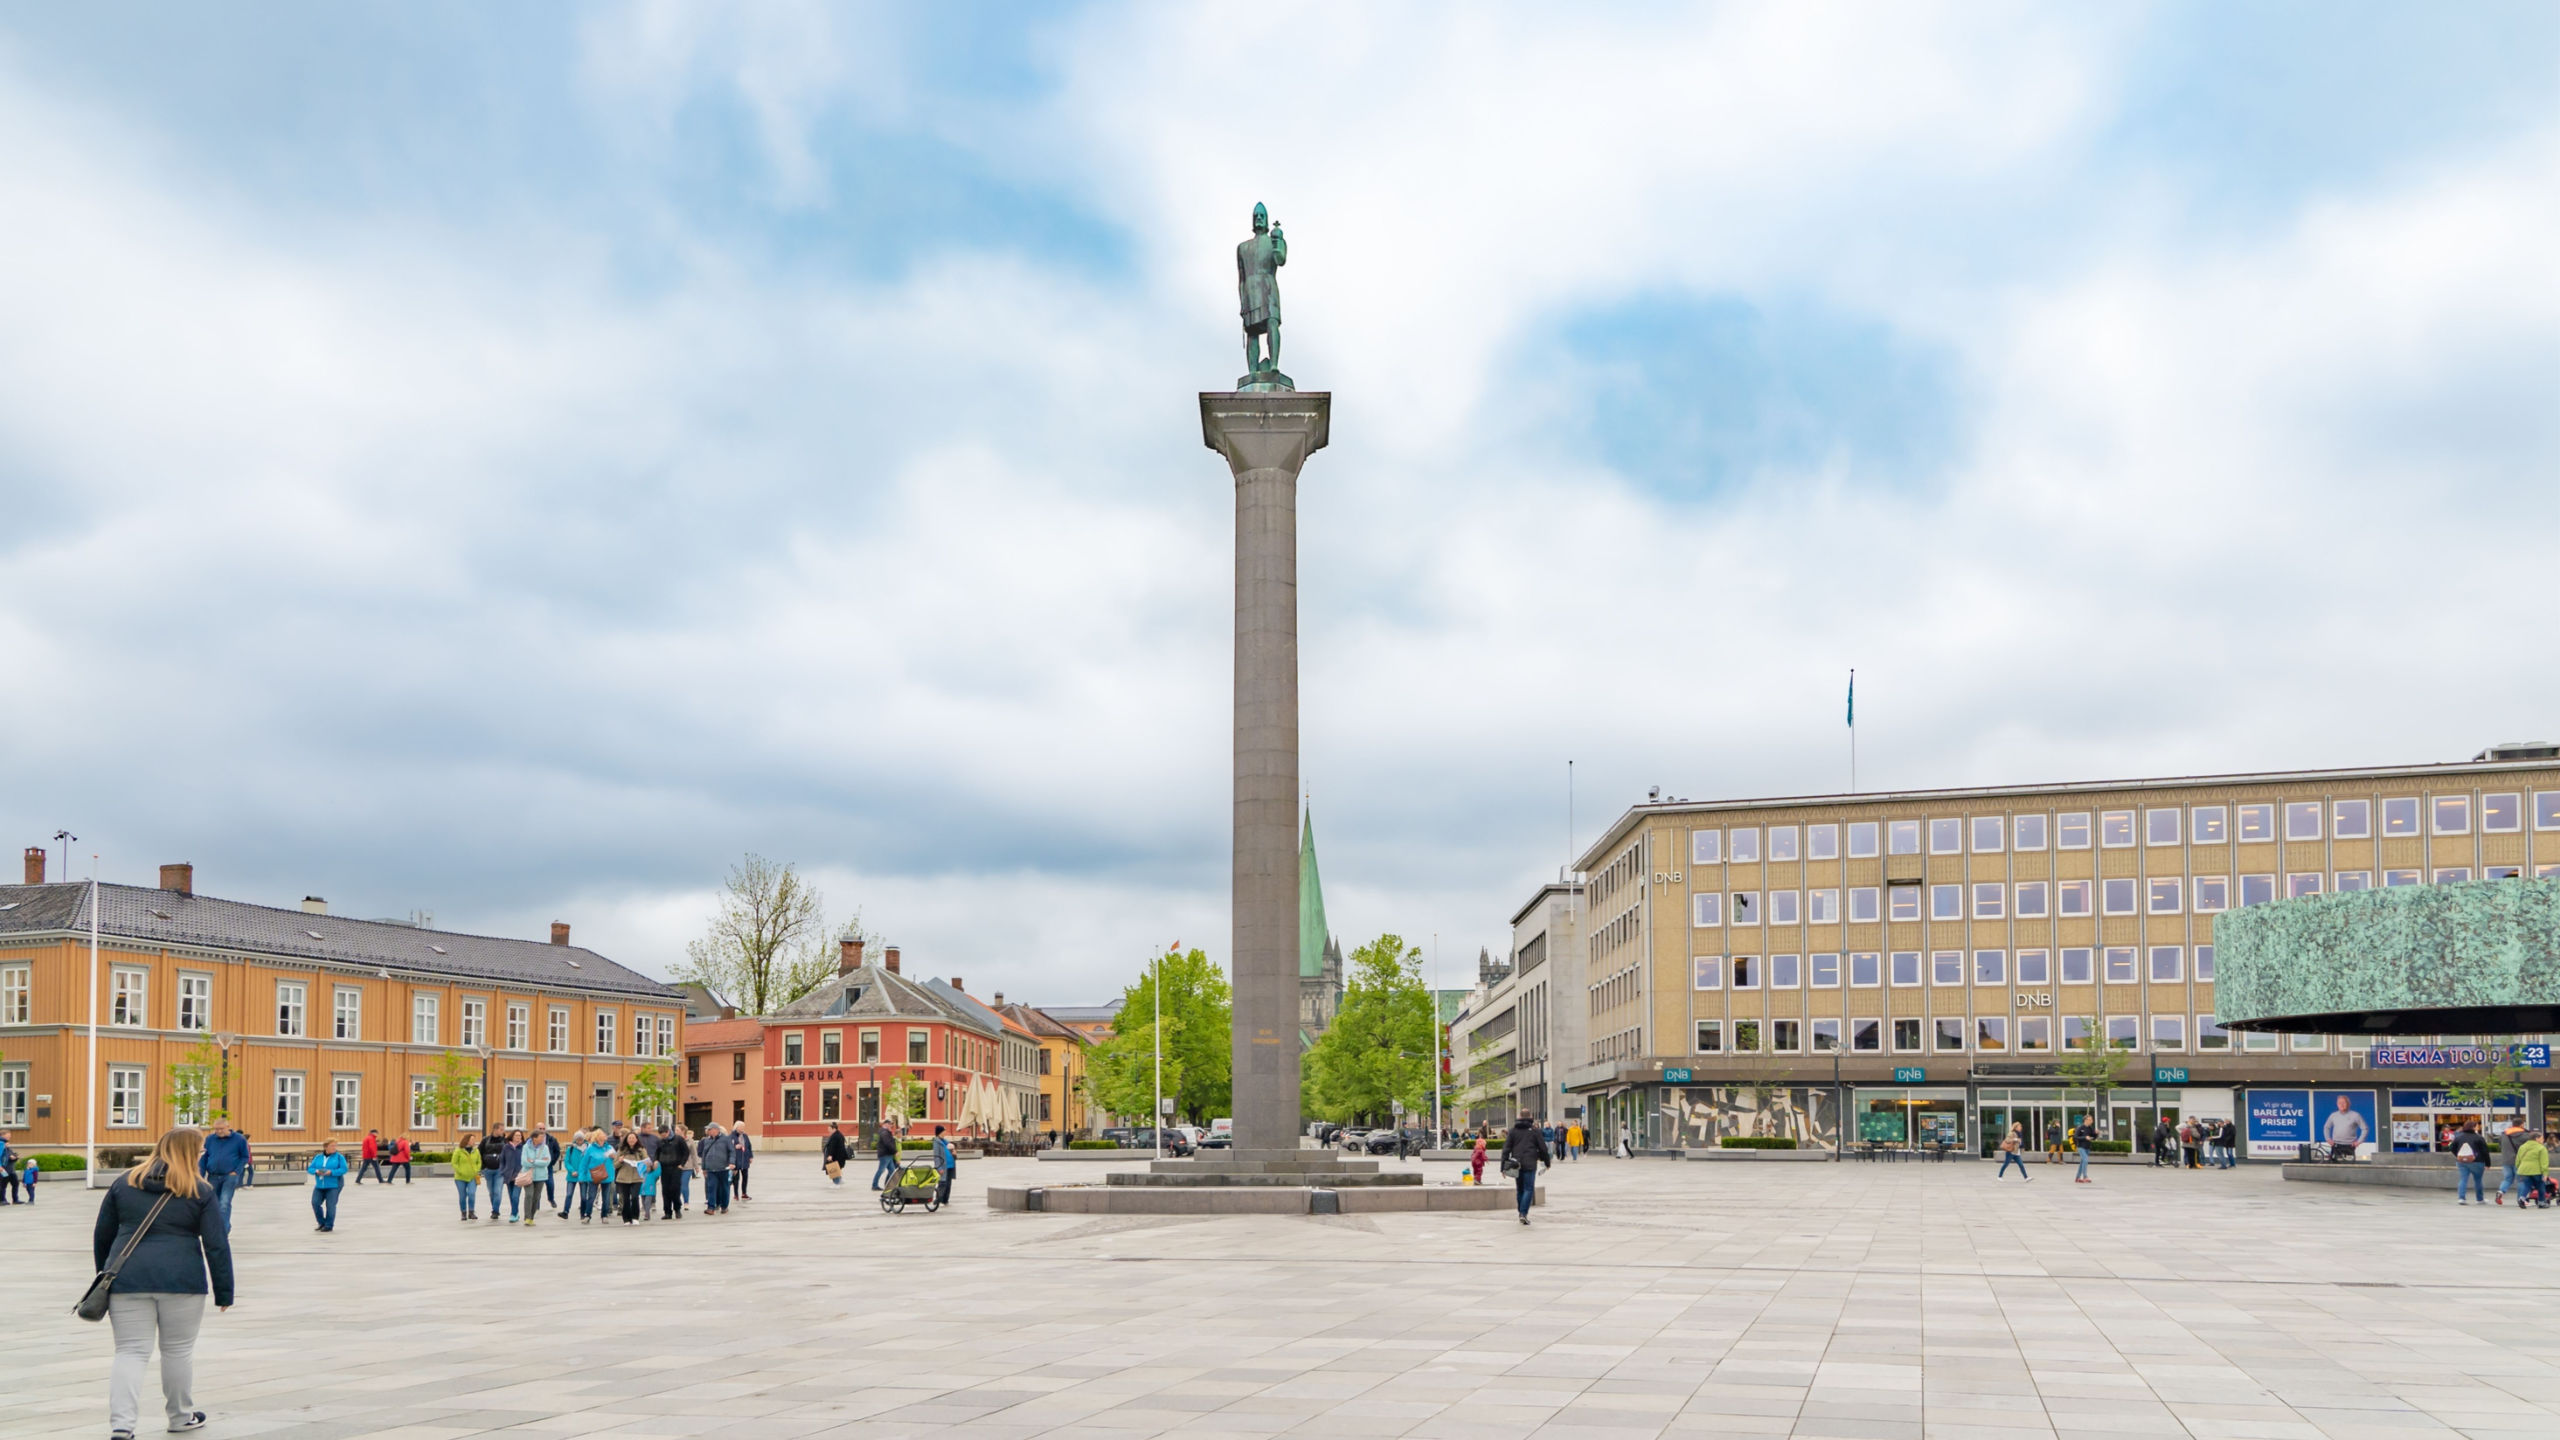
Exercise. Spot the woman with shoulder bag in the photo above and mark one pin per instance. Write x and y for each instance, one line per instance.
(533, 1171)
(158, 1235)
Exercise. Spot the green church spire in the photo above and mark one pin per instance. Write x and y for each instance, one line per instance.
(1312, 933)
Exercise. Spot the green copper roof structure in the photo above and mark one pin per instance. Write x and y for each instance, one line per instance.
(2481, 958)
(1312, 931)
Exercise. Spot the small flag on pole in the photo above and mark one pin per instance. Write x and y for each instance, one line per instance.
(1853, 697)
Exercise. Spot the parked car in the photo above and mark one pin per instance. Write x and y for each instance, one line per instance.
(1348, 1137)
(1384, 1142)
(1122, 1136)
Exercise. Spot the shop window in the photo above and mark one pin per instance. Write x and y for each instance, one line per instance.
(1864, 969)
(1782, 842)
(1991, 1034)
(830, 1102)
(1866, 1036)
(1745, 845)
(2160, 827)
(1906, 968)
(1826, 1036)
(1949, 1034)
(1826, 972)
(1710, 1037)
(2075, 967)
(1987, 900)
(2168, 1032)
(2035, 967)
(2211, 824)
(2035, 1034)
(1786, 1037)
(2030, 832)
(1990, 967)
(790, 1102)
(1822, 842)
(1946, 967)
(1706, 847)
(1906, 1033)
(2166, 895)
(2168, 965)
(2257, 824)
(1862, 839)
(2115, 829)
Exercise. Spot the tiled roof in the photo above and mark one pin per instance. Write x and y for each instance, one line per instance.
(1083, 1014)
(167, 917)
(873, 992)
(1040, 1022)
(722, 1034)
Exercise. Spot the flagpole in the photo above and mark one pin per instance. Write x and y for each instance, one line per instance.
(89, 1090)
(1853, 731)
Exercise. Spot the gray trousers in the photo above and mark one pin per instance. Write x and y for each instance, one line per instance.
(138, 1320)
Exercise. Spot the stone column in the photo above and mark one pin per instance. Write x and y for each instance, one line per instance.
(1266, 436)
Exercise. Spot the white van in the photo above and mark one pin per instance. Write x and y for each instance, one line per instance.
(1222, 1133)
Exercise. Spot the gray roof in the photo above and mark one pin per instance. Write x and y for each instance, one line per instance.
(960, 1002)
(875, 992)
(1083, 1014)
(166, 917)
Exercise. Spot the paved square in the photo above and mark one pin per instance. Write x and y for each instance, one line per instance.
(1651, 1298)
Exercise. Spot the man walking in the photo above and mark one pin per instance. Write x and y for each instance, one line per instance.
(399, 1162)
(884, 1145)
(2470, 1163)
(742, 1153)
(2010, 1145)
(372, 1158)
(2083, 1136)
(673, 1151)
(2164, 1145)
(2053, 1142)
(226, 1163)
(946, 1160)
(717, 1156)
(2510, 1143)
(1522, 1151)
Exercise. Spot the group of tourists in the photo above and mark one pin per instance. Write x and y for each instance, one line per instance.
(2196, 1144)
(16, 1171)
(2524, 1155)
(835, 1155)
(635, 1173)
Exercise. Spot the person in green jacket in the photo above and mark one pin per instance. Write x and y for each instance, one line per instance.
(2533, 1168)
(466, 1176)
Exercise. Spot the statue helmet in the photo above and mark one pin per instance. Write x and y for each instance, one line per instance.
(1261, 218)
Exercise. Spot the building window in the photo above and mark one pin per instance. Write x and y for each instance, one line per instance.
(2075, 1033)
(2501, 814)
(2302, 820)
(2167, 964)
(1906, 968)
(1987, 838)
(2160, 827)
(2311, 1044)
(2546, 809)
(2257, 1042)
(1906, 1033)
(1865, 967)
(2118, 895)
(1903, 902)
(511, 1105)
(1905, 837)
(791, 1048)
(1746, 972)
(13, 1096)
(1782, 842)
(1786, 1036)
(2298, 887)
(1862, 835)
(2351, 820)
(1987, 900)
(2030, 832)
(2071, 832)
(290, 996)
(2212, 825)
(693, 1069)
(1706, 847)
(475, 1024)
(1864, 906)
(2347, 881)
(1746, 1036)
(346, 1013)
(2487, 872)
(1946, 837)
(2204, 964)
(1745, 845)
(2400, 816)
(128, 996)
(2213, 894)
(790, 1102)
(2035, 1033)
(1990, 967)
(1786, 972)
(2256, 890)
(288, 1101)
(124, 1097)
(422, 1097)
(1822, 907)
(1826, 972)
(1946, 902)
(1950, 1034)
(2075, 966)
(2456, 876)
(558, 1039)
(1991, 1033)
(346, 1108)
(1826, 1036)
(2257, 823)
(17, 998)
(2035, 967)
(666, 1034)
(2210, 1036)
(1706, 910)
(2034, 900)
(2165, 896)
(2074, 898)
(1746, 907)
(831, 1048)
(2115, 829)
(1783, 907)
(604, 1032)
(2168, 1032)
(2120, 965)
(520, 1030)
(1710, 1037)
(641, 1031)
(1866, 1036)
(917, 1041)
(555, 1105)
(423, 1029)
(1946, 967)
(2453, 814)
(195, 1001)
(1822, 842)
(738, 1065)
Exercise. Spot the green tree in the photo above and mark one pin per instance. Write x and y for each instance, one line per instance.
(199, 1087)
(1199, 1009)
(652, 1092)
(768, 945)
(2489, 1086)
(901, 1099)
(1379, 1049)
(2094, 1065)
(453, 1087)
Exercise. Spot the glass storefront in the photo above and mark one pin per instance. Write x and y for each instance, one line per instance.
(1911, 1117)
(2429, 1119)
(1701, 1116)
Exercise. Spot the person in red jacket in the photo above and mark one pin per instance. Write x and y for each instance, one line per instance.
(399, 1162)
(373, 1157)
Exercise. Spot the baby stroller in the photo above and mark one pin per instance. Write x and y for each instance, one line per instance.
(917, 1183)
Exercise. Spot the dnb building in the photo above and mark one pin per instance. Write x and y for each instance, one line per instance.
(1913, 967)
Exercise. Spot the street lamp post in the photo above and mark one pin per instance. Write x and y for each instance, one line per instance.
(223, 1041)
(484, 1052)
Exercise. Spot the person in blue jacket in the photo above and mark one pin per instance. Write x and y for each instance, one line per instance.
(328, 1171)
(8, 1175)
(226, 1163)
(946, 1160)
(160, 1283)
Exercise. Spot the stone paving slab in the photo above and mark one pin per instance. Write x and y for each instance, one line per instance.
(1648, 1299)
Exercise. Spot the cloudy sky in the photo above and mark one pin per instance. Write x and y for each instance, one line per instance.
(510, 461)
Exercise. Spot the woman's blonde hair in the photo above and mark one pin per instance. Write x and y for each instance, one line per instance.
(176, 1156)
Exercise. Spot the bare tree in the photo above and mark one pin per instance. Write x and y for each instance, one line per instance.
(768, 945)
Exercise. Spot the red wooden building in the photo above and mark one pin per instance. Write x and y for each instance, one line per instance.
(836, 1054)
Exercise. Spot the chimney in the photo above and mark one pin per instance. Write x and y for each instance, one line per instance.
(999, 999)
(956, 985)
(35, 864)
(728, 1012)
(178, 878)
(311, 904)
(559, 932)
(848, 956)
(889, 957)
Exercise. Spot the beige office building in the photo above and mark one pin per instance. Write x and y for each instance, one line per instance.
(1916, 961)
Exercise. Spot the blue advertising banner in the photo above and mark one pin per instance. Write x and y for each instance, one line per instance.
(2279, 1122)
(2448, 1057)
(2347, 1117)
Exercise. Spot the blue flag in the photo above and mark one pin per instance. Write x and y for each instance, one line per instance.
(1853, 699)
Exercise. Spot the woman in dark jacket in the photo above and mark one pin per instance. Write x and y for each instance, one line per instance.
(834, 1154)
(159, 1289)
(1527, 1149)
